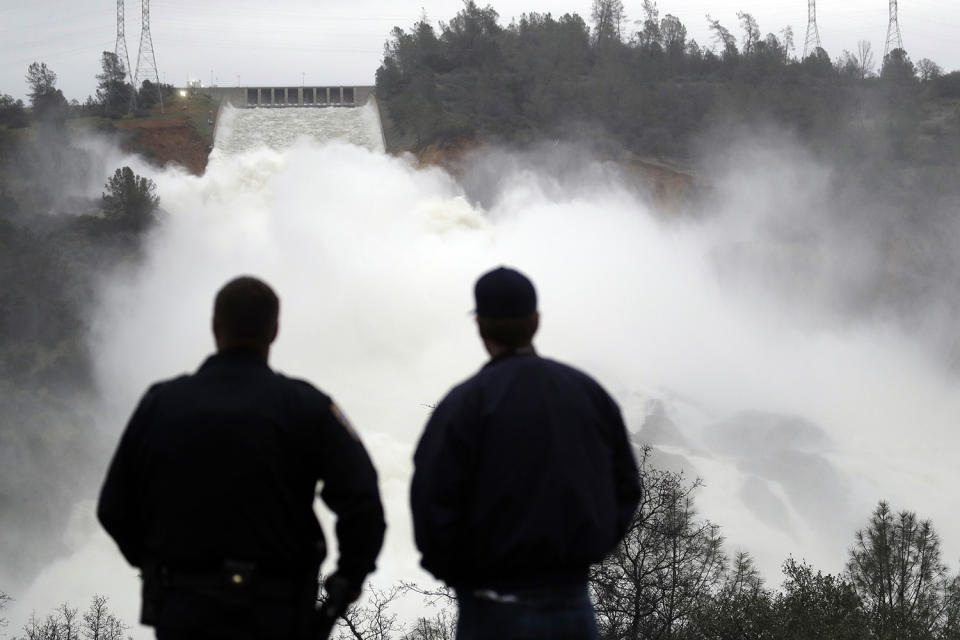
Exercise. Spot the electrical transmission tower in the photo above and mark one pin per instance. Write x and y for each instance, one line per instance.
(120, 49)
(894, 41)
(812, 43)
(146, 60)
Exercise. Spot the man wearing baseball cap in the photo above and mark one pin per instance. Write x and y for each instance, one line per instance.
(524, 477)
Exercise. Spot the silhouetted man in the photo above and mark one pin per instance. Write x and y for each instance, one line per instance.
(211, 490)
(524, 477)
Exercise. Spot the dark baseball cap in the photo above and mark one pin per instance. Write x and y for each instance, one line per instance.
(504, 293)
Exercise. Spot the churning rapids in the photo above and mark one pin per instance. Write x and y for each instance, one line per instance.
(797, 425)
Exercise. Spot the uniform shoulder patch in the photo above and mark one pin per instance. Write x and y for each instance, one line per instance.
(341, 417)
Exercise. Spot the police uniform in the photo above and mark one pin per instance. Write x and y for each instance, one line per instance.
(524, 477)
(211, 493)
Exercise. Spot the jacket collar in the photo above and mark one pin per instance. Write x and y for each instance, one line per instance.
(235, 357)
(513, 353)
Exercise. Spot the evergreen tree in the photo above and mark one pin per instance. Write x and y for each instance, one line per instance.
(4, 601)
(113, 91)
(12, 112)
(817, 605)
(47, 102)
(897, 68)
(895, 568)
(41, 80)
(130, 199)
(667, 566)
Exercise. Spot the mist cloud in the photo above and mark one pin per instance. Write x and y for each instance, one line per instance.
(729, 338)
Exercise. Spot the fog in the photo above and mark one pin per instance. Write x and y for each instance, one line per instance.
(729, 337)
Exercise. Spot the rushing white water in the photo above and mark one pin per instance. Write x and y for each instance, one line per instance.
(242, 130)
(797, 427)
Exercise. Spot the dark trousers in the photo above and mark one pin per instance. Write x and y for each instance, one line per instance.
(165, 633)
(528, 614)
(185, 617)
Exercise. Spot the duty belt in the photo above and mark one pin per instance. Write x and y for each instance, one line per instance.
(493, 596)
(541, 596)
(237, 578)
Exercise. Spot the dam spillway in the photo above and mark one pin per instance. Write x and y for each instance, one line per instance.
(245, 129)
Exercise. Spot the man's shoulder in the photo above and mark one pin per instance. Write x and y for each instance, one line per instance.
(567, 375)
(301, 387)
(558, 365)
(461, 393)
(542, 364)
(522, 369)
(160, 386)
(296, 389)
(571, 371)
(463, 388)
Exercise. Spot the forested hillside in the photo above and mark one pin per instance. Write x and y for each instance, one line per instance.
(646, 85)
(56, 244)
(884, 131)
(67, 220)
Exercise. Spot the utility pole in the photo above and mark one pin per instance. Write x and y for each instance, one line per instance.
(812, 43)
(146, 60)
(894, 41)
(120, 49)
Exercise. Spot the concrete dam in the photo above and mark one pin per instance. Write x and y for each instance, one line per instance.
(276, 117)
(290, 96)
(249, 128)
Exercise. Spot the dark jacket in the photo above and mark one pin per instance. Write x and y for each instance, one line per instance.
(524, 476)
(223, 465)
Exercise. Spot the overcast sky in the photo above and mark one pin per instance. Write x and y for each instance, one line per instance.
(338, 42)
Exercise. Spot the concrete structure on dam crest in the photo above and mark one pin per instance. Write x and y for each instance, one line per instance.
(287, 96)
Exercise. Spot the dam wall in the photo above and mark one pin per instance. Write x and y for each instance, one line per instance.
(327, 96)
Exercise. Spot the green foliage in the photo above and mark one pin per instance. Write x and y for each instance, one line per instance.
(813, 605)
(4, 601)
(114, 93)
(895, 568)
(41, 81)
(608, 20)
(47, 102)
(670, 578)
(741, 608)
(658, 93)
(12, 113)
(130, 199)
(928, 70)
(151, 94)
(948, 86)
(667, 566)
(470, 38)
(724, 39)
(51, 107)
(55, 249)
(897, 68)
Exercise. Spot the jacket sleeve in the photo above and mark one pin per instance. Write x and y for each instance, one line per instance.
(350, 490)
(443, 468)
(118, 507)
(625, 473)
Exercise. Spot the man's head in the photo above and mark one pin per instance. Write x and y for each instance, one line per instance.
(245, 315)
(506, 310)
